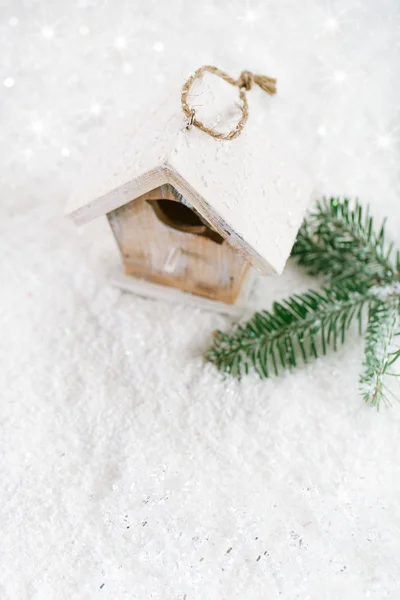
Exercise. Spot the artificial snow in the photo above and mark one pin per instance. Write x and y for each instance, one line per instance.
(129, 468)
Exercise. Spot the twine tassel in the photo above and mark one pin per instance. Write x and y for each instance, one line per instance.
(268, 84)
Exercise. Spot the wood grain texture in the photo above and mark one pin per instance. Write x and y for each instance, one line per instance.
(253, 188)
(161, 254)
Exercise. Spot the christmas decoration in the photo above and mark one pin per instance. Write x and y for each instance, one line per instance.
(361, 275)
(193, 206)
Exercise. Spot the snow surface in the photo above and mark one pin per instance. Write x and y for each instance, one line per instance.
(129, 468)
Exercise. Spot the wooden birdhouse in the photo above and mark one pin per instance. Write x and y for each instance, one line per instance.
(192, 215)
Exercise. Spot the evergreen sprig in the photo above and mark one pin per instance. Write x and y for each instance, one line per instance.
(340, 242)
(361, 274)
(380, 353)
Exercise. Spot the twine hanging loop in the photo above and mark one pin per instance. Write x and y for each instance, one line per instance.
(244, 83)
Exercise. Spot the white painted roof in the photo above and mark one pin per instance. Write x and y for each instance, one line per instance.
(253, 189)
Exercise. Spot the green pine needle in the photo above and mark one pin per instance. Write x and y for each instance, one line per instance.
(298, 329)
(339, 243)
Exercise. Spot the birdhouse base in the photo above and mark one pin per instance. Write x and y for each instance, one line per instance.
(147, 289)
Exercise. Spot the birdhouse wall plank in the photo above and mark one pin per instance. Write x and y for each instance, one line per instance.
(158, 253)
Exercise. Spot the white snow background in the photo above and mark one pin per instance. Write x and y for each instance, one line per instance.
(129, 468)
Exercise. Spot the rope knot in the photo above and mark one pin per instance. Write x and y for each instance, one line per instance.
(246, 80)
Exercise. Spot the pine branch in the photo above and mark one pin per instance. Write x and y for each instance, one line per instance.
(300, 328)
(339, 242)
(383, 317)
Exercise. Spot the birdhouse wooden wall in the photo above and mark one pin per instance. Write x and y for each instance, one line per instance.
(164, 240)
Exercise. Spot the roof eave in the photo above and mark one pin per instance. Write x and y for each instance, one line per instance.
(117, 197)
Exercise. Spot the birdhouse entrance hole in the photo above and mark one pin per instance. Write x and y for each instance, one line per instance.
(179, 216)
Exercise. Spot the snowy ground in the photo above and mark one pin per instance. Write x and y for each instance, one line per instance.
(129, 469)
